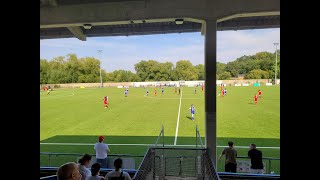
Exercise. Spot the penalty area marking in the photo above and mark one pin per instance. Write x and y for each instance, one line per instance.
(90, 144)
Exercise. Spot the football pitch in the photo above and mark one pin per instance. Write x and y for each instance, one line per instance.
(72, 119)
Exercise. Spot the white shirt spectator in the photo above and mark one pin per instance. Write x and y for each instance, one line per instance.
(96, 177)
(115, 173)
(85, 172)
(101, 150)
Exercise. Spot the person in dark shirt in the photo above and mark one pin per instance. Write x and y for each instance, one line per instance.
(256, 160)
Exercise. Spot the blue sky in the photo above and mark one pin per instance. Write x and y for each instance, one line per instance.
(123, 52)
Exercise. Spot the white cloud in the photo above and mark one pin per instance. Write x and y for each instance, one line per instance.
(124, 52)
(233, 44)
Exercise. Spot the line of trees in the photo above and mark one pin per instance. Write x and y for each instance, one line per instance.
(71, 69)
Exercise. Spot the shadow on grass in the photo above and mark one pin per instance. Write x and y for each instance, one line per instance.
(152, 139)
(145, 141)
(138, 145)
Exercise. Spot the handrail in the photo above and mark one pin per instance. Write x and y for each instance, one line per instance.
(179, 148)
(198, 134)
(101, 169)
(247, 175)
(263, 158)
(161, 133)
(47, 177)
(130, 155)
(78, 154)
(141, 163)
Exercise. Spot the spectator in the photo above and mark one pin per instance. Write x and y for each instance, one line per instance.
(231, 158)
(101, 152)
(256, 160)
(68, 171)
(84, 163)
(95, 172)
(118, 174)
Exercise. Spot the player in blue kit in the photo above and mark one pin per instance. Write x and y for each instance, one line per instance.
(162, 90)
(192, 110)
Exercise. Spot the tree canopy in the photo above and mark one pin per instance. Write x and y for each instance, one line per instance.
(71, 69)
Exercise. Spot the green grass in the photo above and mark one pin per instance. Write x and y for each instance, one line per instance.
(78, 116)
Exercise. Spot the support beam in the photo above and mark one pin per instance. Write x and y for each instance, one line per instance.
(78, 33)
(210, 55)
(203, 29)
(228, 9)
(108, 12)
(164, 28)
(48, 3)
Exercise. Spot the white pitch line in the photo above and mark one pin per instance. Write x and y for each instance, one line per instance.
(90, 144)
(178, 119)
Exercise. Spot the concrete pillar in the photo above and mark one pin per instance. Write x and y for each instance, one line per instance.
(210, 87)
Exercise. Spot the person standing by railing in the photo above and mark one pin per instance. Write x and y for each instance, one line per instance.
(256, 160)
(101, 152)
(231, 158)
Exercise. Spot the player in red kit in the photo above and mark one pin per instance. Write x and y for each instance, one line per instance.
(202, 87)
(155, 92)
(105, 102)
(259, 93)
(255, 99)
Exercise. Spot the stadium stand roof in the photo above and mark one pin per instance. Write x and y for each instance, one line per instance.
(95, 18)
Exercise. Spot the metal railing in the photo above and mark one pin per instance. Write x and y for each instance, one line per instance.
(71, 157)
(161, 161)
(267, 161)
(198, 137)
(160, 135)
(229, 175)
(176, 163)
